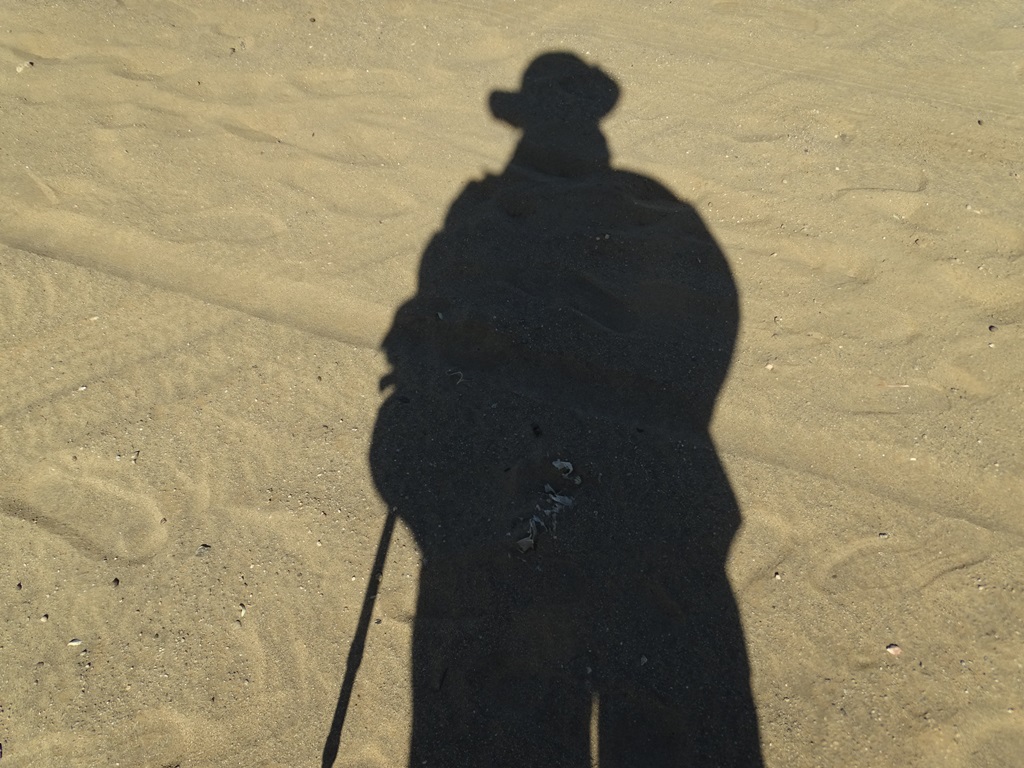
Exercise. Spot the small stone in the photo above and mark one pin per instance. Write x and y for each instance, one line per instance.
(203, 550)
(74, 642)
(894, 649)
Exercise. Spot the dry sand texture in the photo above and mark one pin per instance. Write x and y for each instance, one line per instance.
(209, 213)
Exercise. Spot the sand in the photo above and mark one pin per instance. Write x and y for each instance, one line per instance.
(210, 219)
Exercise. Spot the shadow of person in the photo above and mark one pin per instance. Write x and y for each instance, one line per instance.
(546, 441)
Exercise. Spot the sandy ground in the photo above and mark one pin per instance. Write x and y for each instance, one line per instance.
(210, 215)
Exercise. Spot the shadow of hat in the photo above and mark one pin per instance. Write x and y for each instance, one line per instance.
(557, 87)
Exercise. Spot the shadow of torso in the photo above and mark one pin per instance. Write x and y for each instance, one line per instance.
(587, 319)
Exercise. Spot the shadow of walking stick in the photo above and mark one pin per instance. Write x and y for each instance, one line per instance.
(355, 652)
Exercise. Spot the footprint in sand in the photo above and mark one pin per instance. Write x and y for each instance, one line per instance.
(888, 563)
(109, 516)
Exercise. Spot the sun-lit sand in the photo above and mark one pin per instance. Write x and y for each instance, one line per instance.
(210, 214)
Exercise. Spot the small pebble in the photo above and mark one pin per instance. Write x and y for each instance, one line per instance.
(894, 649)
(74, 642)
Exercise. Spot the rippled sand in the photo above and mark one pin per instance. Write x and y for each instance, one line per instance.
(209, 216)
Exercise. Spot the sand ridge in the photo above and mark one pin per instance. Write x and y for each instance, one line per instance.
(210, 216)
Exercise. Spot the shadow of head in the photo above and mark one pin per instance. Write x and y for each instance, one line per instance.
(557, 88)
(559, 107)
